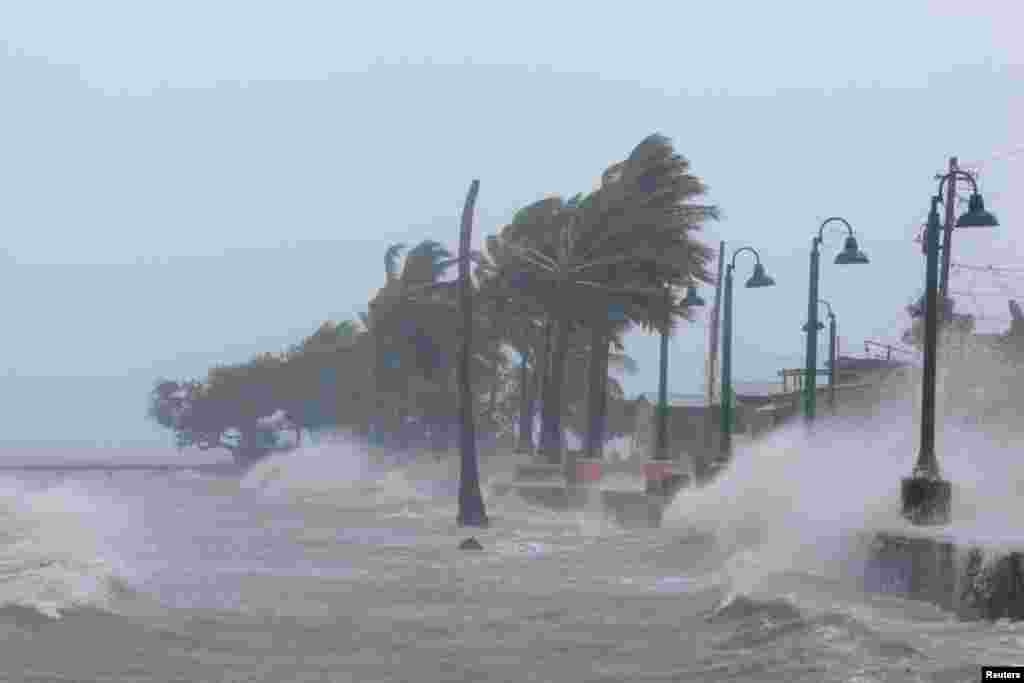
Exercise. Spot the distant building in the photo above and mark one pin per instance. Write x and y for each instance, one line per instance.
(694, 426)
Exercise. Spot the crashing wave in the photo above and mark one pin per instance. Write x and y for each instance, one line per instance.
(50, 561)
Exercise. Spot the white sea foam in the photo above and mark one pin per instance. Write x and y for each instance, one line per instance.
(50, 557)
(336, 470)
(798, 502)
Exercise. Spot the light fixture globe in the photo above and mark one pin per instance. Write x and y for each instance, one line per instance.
(760, 278)
(851, 253)
(692, 298)
(976, 216)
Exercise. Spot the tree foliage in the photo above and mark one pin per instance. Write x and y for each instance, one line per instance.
(560, 264)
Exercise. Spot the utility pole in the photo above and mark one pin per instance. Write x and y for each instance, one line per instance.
(947, 235)
(945, 325)
(709, 427)
(713, 328)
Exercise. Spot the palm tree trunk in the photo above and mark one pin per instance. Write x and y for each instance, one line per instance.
(492, 399)
(551, 437)
(595, 386)
(541, 373)
(549, 346)
(603, 398)
(524, 444)
(401, 417)
(471, 502)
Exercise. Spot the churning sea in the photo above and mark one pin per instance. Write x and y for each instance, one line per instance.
(334, 564)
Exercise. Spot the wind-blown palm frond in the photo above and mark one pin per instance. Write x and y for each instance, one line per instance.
(624, 363)
(625, 242)
(425, 263)
(391, 260)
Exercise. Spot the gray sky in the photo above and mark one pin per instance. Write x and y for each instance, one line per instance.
(194, 183)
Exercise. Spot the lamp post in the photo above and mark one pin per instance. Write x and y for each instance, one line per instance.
(849, 255)
(658, 477)
(661, 443)
(831, 355)
(925, 495)
(758, 279)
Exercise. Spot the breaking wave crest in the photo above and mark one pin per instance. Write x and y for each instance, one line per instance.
(51, 559)
(340, 471)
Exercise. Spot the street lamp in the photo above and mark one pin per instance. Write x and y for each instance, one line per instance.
(850, 254)
(662, 440)
(831, 355)
(758, 279)
(661, 443)
(656, 479)
(925, 495)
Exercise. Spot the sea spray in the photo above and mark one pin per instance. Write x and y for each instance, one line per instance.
(341, 470)
(784, 500)
(51, 556)
(804, 502)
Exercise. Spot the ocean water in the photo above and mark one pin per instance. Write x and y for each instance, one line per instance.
(334, 564)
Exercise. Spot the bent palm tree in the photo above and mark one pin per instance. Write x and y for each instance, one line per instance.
(409, 332)
(626, 241)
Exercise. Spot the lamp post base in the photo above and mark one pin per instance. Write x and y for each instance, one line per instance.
(926, 500)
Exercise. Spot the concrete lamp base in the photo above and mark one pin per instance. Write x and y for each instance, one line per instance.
(926, 500)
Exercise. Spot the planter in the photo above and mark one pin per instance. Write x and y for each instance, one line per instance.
(588, 471)
(664, 478)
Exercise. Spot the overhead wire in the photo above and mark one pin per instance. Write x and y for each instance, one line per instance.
(973, 168)
(1007, 154)
(1009, 270)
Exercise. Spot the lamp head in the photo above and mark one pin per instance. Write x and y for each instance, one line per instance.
(850, 253)
(760, 278)
(692, 298)
(976, 216)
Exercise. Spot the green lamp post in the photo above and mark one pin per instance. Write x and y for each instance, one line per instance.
(927, 497)
(850, 254)
(661, 442)
(758, 279)
(658, 477)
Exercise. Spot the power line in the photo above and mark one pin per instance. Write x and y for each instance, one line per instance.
(973, 168)
(1000, 293)
(990, 268)
(974, 299)
(1004, 155)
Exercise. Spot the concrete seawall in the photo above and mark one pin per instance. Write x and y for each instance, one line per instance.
(973, 581)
